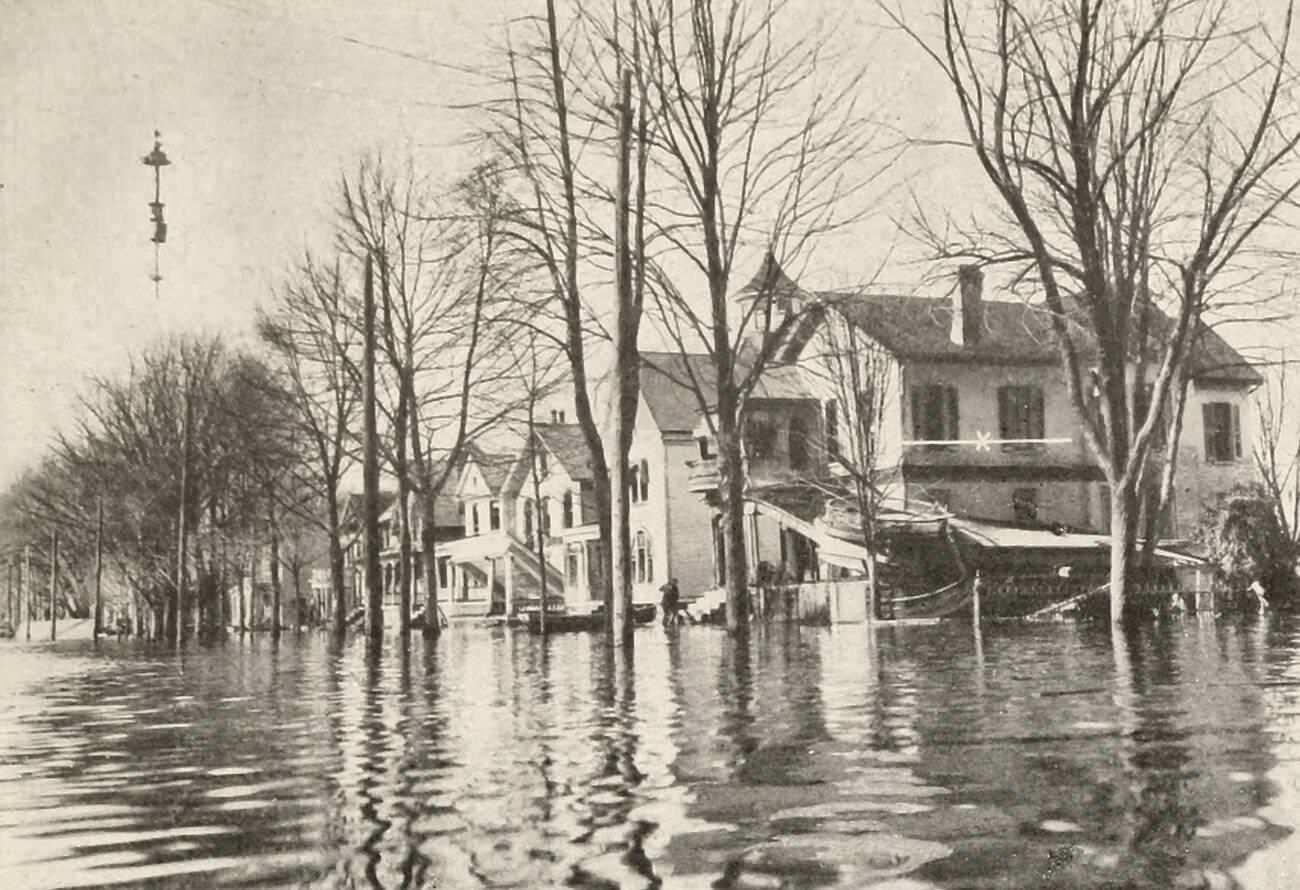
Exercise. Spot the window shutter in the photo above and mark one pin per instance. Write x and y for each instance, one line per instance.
(951, 431)
(1207, 424)
(1236, 430)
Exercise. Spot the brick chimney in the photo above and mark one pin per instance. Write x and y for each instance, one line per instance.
(968, 307)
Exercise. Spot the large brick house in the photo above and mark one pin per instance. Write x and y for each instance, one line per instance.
(967, 369)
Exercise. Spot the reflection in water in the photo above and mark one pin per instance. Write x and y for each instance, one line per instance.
(1011, 756)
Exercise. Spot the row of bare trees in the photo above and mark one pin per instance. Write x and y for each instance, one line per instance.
(442, 377)
(179, 470)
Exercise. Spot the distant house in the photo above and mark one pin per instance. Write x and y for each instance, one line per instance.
(448, 528)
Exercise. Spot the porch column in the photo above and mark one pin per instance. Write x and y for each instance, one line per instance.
(752, 550)
(510, 582)
(491, 572)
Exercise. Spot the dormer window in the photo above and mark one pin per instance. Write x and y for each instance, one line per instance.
(494, 515)
(568, 509)
(645, 480)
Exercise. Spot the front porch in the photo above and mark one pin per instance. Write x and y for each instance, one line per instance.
(501, 574)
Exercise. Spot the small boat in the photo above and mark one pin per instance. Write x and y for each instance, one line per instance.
(560, 622)
(941, 603)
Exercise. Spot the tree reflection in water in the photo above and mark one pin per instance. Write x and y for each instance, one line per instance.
(1025, 756)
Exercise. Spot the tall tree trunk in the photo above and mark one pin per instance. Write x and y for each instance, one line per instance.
(731, 485)
(428, 503)
(338, 578)
(1123, 531)
(370, 468)
(429, 546)
(273, 526)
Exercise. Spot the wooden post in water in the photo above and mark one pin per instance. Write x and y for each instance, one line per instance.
(54, 583)
(370, 466)
(976, 586)
(99, 568)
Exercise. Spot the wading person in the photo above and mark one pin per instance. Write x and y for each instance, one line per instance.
(671, 604)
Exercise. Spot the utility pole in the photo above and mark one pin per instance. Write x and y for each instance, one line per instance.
(99, 567)
(54, 582)
(182, 531)
(370, 467)
(620, 611)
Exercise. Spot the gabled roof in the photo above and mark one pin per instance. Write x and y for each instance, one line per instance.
(494, 467)
(1016, 332)
(567, 445)
(668, 381)
(353, 503)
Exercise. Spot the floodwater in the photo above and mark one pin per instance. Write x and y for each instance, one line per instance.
(1042, 756)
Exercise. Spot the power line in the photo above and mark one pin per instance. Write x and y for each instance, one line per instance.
(343, 38)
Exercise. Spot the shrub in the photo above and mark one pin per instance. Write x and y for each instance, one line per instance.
(1241, 534)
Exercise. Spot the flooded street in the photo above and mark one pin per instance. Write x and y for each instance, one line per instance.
(1029, 757)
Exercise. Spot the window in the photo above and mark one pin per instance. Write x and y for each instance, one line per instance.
(568, 509)
(1142, 396)
(760, 437)
(1020, 415)
(833, 430)
(540, 459)
(528, 522)
(1222, 421)
(573, 563)
(798, 443)
(494, 515)
(934, 413)
(544, 518)
(1024, 504)
(444, 565)
(645, 569)
(705, 451)
(645, 481)
(633, 488)
(474, 513)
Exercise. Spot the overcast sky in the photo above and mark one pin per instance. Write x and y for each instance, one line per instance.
(261, 106)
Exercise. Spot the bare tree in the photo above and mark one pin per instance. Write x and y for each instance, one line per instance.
(311, 333)
(760, 149)
(579, 149)
(1277, 454)
(862, 377)
(1142, 156)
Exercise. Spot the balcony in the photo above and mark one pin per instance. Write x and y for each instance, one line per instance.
(704, 476)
